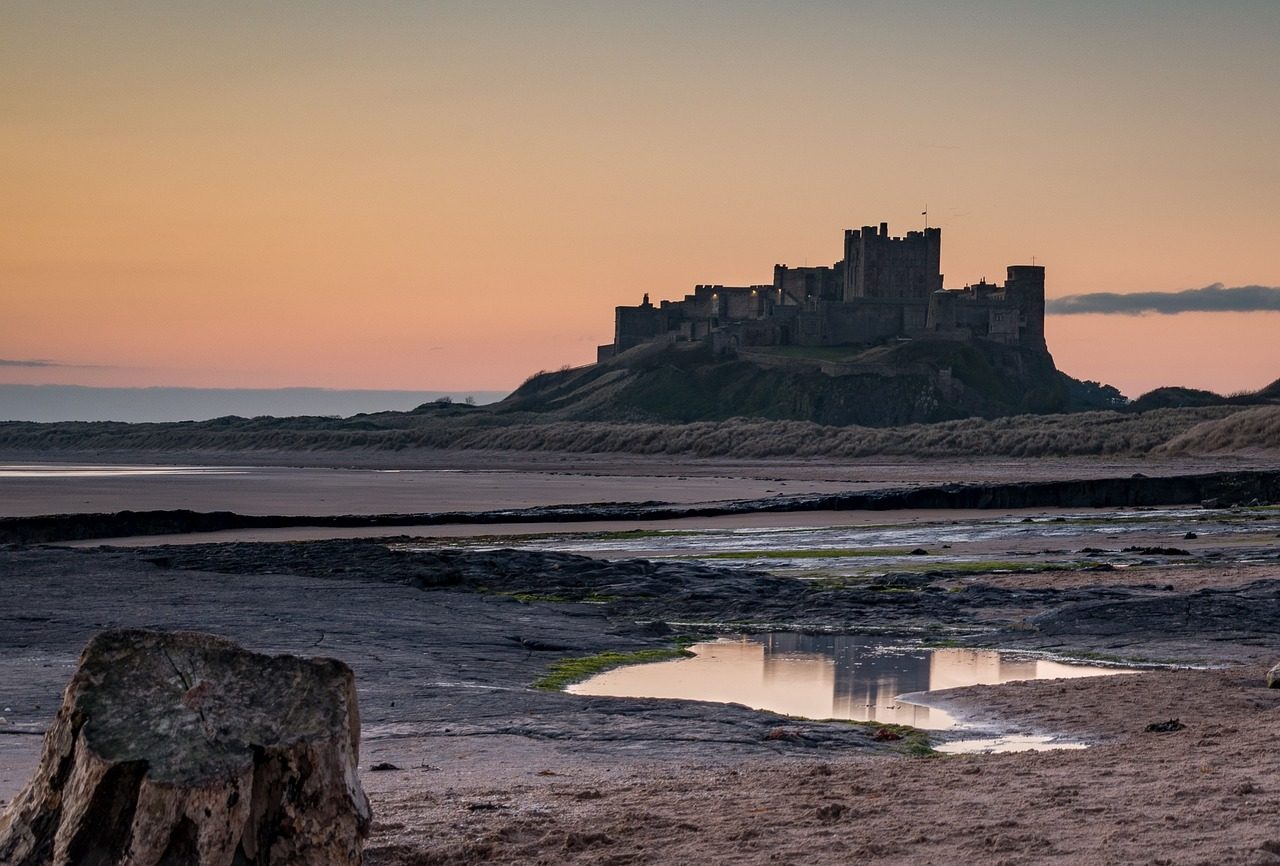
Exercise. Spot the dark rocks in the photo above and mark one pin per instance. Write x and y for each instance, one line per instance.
(1169, 727)
(830, 812)
(1273, 677)
(1248, 612)
(782, 733)
(637, 596)
(904, 580)
(535, 645)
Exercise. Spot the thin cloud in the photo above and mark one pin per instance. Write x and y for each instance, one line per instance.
(1216, 298)
(61, 365)
(29, 362)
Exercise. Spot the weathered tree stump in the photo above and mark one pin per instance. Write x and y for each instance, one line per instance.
(180, 748)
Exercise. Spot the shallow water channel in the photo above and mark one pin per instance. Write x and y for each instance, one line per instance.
(856, 677)
(37, 471)
(980, 543)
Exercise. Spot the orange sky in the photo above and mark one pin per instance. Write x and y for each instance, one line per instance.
(440, 195)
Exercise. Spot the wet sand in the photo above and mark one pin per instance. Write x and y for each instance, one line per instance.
(427, 481)
(1203, 795)
(492, 771)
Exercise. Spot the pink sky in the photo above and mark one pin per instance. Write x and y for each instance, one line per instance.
(456, 195)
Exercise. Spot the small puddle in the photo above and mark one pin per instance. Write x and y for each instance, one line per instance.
(855, 677)
(1009, 743)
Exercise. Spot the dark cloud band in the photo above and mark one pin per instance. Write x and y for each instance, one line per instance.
(10, 362)
(1216, 298)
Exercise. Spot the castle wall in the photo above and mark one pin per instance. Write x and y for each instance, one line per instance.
(636, 325)
(745, 303)
(862, 320)
(724, 303)
(1012, 314)
(800, 285)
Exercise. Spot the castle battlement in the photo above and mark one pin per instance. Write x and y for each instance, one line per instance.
(885, 287)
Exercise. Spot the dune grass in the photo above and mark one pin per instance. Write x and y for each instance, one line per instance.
(1249, 429)
(1104, 433)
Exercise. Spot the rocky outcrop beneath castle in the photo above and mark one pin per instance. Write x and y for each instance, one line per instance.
(907, 382)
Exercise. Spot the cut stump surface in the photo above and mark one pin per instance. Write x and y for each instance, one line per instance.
(180, 748)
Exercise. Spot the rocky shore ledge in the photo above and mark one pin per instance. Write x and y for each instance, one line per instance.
(449, 642)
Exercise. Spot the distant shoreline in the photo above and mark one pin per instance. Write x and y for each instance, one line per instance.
(65, 403)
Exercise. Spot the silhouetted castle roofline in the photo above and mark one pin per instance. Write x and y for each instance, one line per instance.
(884, 287)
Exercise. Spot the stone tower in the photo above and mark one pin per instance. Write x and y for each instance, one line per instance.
(1024, 287)
(879, 266)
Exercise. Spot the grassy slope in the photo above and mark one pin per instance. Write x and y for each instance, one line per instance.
(897, 384)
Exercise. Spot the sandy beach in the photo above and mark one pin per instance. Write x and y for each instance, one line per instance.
(485, 768)
(356, 482)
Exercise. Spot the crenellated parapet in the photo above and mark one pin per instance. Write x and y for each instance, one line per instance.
(885, 287)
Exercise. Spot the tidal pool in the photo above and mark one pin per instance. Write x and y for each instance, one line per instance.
(856, 677)
(979, 543)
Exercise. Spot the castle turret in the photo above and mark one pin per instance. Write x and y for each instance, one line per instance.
(1024, 287)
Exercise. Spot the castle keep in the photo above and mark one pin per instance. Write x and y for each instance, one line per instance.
(884, 288)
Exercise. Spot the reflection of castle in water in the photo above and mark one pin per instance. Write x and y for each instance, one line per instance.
(825, 676)
(868, 679)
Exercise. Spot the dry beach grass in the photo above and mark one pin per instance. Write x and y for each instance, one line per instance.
(1219, 429)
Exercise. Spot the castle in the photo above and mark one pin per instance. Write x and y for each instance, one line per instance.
(884, 288)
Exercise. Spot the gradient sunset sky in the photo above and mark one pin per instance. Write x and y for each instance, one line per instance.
(454, 195)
